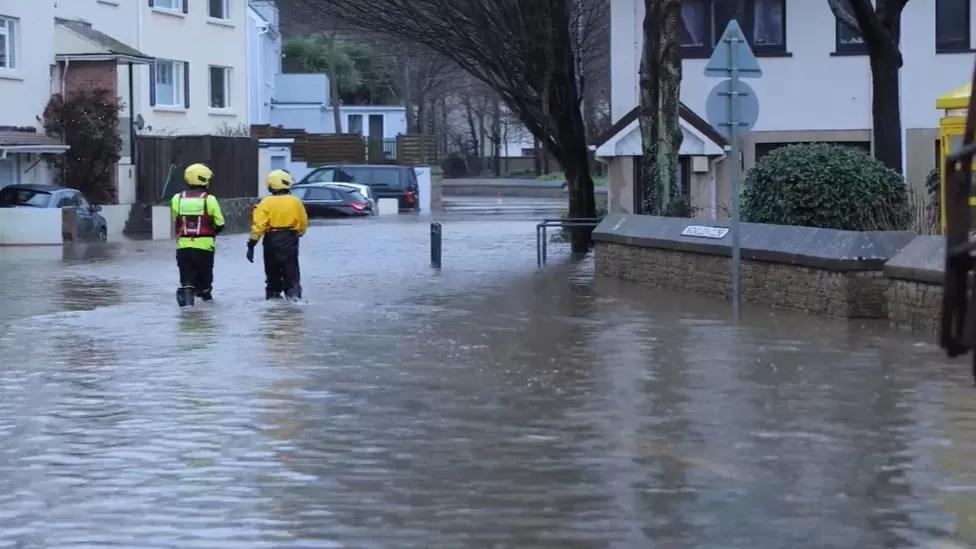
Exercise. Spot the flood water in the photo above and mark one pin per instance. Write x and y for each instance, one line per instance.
(489, 405)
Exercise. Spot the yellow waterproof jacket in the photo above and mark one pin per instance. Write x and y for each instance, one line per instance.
(279, 212)
(180, 206)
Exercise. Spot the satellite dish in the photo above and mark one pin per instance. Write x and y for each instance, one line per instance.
(139, 122)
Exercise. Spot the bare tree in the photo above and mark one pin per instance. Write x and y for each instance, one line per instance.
(524, 50)
(880, 27)
(660, 84)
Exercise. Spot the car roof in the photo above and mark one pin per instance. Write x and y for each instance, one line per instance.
(371, 166)
(39, 188)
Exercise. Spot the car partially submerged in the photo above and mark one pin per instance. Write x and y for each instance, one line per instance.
(90, 225)
(327, 200)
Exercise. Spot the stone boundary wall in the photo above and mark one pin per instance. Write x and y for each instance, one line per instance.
(821, 271)
(237, 213)
(915, 288)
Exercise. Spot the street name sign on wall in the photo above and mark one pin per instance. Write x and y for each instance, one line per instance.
(699, 231)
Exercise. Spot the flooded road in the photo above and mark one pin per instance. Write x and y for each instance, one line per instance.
(489, 405)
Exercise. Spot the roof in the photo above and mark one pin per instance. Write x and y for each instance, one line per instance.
(956, 99)
(686, 114)
(29, 142)
(88, 42)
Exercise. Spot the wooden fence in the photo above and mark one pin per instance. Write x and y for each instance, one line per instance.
(415, 150)
(234, 161)
(319, 149)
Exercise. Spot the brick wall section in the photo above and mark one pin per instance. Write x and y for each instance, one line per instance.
(858, 294)
(914, 305)
(91, 75)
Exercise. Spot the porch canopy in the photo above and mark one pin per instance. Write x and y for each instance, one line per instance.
(28, 141)
(624, 138)
(79, 41)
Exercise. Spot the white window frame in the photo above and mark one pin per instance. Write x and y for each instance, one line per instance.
(228, 100)
(176, 7)
(179, 87)
(226, 9)
(11, 33)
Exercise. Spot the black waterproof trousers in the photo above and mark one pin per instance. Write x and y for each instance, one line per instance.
(281, 265)
(196, 270)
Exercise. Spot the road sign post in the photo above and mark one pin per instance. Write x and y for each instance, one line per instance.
(733, 58)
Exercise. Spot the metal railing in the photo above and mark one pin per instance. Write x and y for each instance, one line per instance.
(542, 236)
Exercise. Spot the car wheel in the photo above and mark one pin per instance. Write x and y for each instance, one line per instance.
(103, 234)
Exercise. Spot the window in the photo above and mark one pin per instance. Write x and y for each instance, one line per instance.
(762, 21)
(174, 5)
(168, 84)
(321, 193)
(220, 9)
(848, 40)
(69, 200)
(952, 26)
(356, 124)
(219, 88)
(325, 175)
(8, 43)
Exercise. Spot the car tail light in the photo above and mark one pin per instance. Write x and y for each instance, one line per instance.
(358, 206)
(410, 197)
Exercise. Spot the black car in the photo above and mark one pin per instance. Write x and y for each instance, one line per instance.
(90, 225)
(322, 200)
(398, 182)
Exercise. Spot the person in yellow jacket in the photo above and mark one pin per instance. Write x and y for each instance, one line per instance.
(198, 222)
(281, 220)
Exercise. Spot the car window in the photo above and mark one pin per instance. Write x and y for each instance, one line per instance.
(356, 196)
(68, 200)
(321, 193)
(13, 196)
(299, 192)
(324, 175)
(82, 202)
(385, 177)
(352, 175)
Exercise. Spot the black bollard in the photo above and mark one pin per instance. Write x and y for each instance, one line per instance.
(435, 245)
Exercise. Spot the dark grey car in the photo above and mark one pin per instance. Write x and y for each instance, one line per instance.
(90, 224)
(399, 182)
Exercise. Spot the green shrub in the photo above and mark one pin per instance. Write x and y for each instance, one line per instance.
(554, 176)
(829, 186)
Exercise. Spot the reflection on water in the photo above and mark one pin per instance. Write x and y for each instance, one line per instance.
(487, 406)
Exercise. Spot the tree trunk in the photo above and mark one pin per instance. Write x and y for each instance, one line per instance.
(334, 85)
(886, 116)
(496, 130)
(408, 101)
(475, 144)
(537, 157)
(660, 85)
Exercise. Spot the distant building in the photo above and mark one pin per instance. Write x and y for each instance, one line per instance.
(816, 84)
(263, 58)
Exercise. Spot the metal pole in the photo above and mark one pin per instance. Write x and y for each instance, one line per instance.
(435, 245)
(736, 176)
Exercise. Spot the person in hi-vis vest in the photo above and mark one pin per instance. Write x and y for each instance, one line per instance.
(198, 222)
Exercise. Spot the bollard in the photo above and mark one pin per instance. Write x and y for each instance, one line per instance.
(435, 245)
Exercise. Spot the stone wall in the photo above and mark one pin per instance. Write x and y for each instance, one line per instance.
(914, 305)
(851, 294)
(237, 213)
(915, 290)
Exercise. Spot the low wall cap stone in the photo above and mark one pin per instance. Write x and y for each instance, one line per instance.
(922, 260)
(828, 249)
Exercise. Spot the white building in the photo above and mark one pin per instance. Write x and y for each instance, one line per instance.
(816, 83)
(263, 58)
(178, 65)
(302, 101)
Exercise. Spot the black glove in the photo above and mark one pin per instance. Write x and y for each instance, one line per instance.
(218, 229)
(250, 249)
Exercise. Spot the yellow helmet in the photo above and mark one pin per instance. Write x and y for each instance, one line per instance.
(279, 180)
(198, 175)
